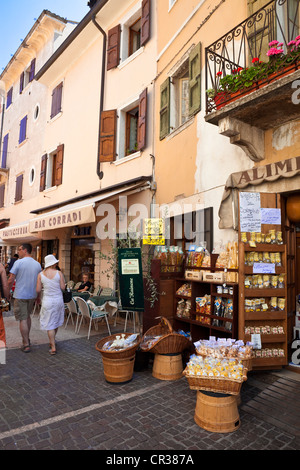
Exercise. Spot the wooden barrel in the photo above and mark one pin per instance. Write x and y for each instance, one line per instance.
(118, 370)
(217, 413)
(167, 366)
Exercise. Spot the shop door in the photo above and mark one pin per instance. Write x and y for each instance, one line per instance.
(82, 258)
(292, 288)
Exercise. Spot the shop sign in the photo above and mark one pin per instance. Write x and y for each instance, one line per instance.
(153, 232)
(131, 279)
(18, 231)
(50, 221)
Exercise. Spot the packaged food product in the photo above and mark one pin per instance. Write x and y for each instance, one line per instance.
(185, 290)
(258, 237)
(244, 237)
(281, 281)
(273, 303)
(266, 281)
(273, 236)
(279, 239)
(120, 342)
(278, 259)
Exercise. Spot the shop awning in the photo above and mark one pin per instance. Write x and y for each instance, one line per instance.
(261, 178)
(78, 213)
(18, 233)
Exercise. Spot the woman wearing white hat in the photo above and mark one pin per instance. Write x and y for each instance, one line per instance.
(53, 308)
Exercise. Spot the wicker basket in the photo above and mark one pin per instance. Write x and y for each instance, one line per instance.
(123, 353)
(215, 384)
(169, 342)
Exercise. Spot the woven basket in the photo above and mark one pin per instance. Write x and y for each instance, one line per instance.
(122, 354)
(169, 343)
(215, 384)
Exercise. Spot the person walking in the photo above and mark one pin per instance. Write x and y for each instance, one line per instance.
(4, 290)
(53, 308)
(24, 272)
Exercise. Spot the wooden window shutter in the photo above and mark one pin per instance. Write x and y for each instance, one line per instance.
(59, 165)
(108, 125)
(32, 70)
(2, 192)
(9, 97)
(113, 47)
(4, 151)
(145, 23)
(164, 109)
(43, 173)
(22, 76)
(19, 187)
(23, 130)
(142, 122)
(56, 100)
(195, 80)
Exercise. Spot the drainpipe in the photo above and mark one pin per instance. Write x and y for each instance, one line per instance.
(99, 172)
(2, 106)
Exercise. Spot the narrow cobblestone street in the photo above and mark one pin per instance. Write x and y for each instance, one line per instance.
(64, 403)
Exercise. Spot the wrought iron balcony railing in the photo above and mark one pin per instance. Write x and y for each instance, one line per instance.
(262, 48)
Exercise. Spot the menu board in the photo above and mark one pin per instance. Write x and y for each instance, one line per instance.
(250, 212)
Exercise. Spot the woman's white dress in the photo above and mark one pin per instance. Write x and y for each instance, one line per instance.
(53, 307)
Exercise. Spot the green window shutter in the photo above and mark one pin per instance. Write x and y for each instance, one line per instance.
(164, 108)
(195, 80)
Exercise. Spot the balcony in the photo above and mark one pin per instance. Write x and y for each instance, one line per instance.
(251, 83)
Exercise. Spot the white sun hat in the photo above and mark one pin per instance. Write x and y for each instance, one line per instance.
(50, 260)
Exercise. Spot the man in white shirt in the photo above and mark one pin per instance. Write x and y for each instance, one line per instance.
(24, 271)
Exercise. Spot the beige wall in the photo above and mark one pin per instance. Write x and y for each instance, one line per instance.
(194, 161)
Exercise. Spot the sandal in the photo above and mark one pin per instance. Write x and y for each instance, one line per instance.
(26, 349)
(52, 353)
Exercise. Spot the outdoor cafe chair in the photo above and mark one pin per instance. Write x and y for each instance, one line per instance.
(91, 315)
(73, 310)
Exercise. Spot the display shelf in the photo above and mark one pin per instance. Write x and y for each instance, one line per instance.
(199, 329)
(263, 317)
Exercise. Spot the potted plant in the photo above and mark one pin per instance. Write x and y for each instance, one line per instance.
(242, 81)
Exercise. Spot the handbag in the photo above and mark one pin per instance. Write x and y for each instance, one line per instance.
(67, 296)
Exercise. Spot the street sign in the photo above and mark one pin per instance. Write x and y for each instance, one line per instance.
(131, 279)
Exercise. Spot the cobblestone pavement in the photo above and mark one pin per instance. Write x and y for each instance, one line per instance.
(63, 402)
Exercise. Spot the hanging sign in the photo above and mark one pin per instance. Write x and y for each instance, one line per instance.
(250, 213)
(153, 232)
(131, 279)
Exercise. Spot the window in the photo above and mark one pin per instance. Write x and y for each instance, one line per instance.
(27, 76)
(9, 97)
(179, 97)
(180, 94)
(52, 168)
(2, 193)
(56, 100)
(134, 37)
(23, 130)
(31, 176)
(192, 228)
(4, 151)
(135, 34)
(36, 112)
(19, 188)
(132, 117)
(132, 130)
